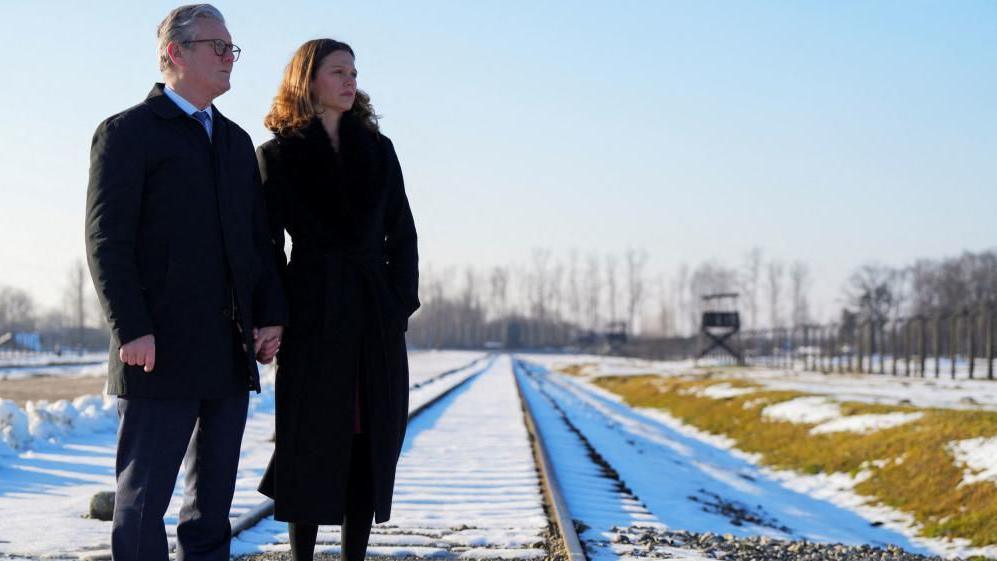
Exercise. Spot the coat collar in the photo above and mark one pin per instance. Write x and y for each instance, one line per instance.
(164, 107)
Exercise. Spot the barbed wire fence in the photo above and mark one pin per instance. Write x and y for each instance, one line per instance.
(954, 344)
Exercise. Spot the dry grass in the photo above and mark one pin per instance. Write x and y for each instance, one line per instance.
(577, 369)
(918, 475)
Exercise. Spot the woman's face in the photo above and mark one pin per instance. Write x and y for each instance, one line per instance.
(335, 84)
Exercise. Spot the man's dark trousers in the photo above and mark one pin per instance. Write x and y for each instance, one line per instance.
(155, 435)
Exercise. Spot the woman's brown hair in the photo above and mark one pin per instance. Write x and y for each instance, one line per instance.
(292, 106)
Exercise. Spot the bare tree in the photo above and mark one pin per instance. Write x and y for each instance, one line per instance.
(611, 287)
(750, 280)
(636, 260)
(470, 309)
(870, 289)
(666, 311)
(799, 278)
(555, 296)
(593, 291)
(499, 281)
(541, 265)
(75, 299)
(682, 305)
(774, 272)
(17, 310)
(574, 290)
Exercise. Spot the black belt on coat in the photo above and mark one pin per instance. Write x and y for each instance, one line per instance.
(365, 262)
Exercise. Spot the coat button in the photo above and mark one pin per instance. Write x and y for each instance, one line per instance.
(227, 312)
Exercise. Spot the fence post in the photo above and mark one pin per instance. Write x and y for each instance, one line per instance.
(893, 346)
(858, 338)
(815, 351)
(835, 348)
(971, 329)
(851, 349)
(990, 341)
(937, 340)
(907, 340)
(881, 338)
(808, 348)
(832, 340)
(825, 349)
(953, 342)
(787, 344)
(788, 341)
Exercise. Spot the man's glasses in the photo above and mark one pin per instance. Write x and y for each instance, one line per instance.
(221, 47)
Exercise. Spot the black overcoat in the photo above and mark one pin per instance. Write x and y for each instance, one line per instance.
(177, 242)
(351, 284)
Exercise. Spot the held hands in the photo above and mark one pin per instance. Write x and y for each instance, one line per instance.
(266, 341)
(142, 351)
(139, 352)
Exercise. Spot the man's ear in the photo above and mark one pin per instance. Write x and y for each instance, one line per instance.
(176, 55)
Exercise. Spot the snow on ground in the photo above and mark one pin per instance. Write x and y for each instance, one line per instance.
(803, 410)
(865, 423)
(466, 486)
(47, 482)
(723, 391)
(958, 393)
(600, 365)
(15, 366)
(41, 422)
(688, 480)
(978, 456)
(424, 365)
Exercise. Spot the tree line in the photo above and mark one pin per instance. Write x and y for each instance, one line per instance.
(556, 300)
(561, 300)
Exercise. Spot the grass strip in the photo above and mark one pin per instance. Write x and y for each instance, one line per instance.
(909, 466)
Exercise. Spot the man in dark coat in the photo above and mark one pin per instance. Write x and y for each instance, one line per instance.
(180, 255)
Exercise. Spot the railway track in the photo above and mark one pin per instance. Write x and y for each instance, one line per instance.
(635, 486)
(265, 507)
(455, 496)
(527, 491)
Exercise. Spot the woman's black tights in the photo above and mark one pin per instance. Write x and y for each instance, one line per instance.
(358, 516)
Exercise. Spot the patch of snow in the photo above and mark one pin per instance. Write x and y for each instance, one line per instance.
(803, 410)
(944, 392)
(978, 456)
(753, 403)
(13, 426)
(866, 423)
(724, 391)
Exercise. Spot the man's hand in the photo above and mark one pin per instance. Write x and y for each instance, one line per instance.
(266, 341)
(139, 352)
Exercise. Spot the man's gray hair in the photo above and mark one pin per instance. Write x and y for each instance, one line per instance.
(178, 26)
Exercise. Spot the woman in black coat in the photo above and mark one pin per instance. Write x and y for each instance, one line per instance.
(333, 182)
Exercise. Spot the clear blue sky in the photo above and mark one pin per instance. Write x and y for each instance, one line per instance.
(833, 132)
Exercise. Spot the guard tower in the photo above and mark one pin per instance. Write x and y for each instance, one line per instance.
(616, 336)
(720, 323)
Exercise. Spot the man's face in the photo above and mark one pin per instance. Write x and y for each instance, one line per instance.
(201, 67)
